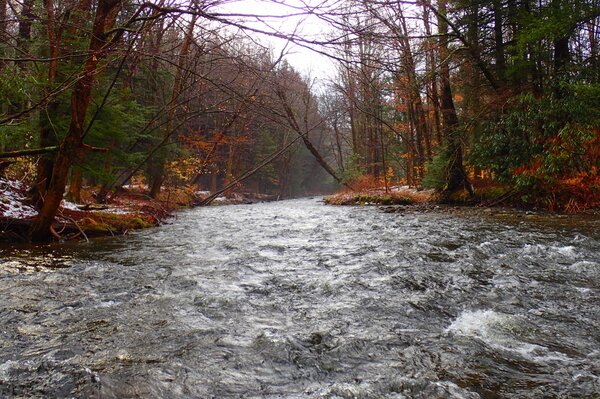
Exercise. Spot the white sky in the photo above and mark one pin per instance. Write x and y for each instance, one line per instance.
(307, 62)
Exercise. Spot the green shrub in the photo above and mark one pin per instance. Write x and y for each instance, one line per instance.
(435, 172)
(540, 140)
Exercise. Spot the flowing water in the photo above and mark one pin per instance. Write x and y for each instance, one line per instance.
(296, 299)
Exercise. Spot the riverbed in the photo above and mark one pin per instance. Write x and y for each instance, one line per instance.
(296, 299)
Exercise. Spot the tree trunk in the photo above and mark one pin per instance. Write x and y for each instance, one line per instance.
(561, 44)
(72, 145)
(24, 36)
(4, 38)
(159, 170)
(432, 87)
(423, 145)
(45, 164)
(456, 176)
(499, 41)
(229, 173)
(338, 145)
(74, 193)
(158, 177)
(48, 135)
(102, 195)
(593, 34)
(284, 173)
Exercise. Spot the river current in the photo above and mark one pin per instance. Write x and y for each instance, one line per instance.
(296, 299)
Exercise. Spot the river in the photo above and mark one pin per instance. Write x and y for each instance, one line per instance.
(296, 299)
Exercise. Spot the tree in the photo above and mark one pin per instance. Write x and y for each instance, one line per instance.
(456, 176)
(101, 39)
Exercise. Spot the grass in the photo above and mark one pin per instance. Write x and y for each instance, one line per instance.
(402, 196)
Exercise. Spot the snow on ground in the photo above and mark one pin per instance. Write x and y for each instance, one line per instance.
(117, 210)
(135, 186)
(69, 205)
(12, 203)
(11, 200)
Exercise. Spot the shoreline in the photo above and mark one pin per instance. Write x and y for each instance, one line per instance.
(400, 198)
(133, 210)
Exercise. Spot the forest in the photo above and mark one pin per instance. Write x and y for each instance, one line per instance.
(494, 96)
(470, 127)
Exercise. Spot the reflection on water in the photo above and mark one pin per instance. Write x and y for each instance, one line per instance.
(297, 299)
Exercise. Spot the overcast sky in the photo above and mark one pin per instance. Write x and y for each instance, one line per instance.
(307, 62)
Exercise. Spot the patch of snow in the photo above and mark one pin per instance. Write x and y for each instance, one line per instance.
(135, 186)
(116, 211)
(69, 205)
(11, 201)
(13, 184)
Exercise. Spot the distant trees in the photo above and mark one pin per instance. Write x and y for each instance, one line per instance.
(427, 93)
(460, 89)
(113, 89)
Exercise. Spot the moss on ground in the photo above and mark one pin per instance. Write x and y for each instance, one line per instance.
(103, 223)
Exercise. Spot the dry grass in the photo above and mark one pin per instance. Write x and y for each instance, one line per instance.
(370, 190)
(378, 196)
(177, 197)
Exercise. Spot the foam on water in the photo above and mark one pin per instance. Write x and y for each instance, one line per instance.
(294, 299)
(585, 267)
(536, 250)
(478, 323)
(501, 332)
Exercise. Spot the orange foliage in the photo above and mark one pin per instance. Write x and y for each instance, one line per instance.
(529, 169)
(184, 169)
(369, 182)
(365, 182)
(206, 144)
(578, 193)
(401, 126)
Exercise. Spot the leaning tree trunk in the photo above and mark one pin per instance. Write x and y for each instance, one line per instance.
(291, 119)
(72, 146)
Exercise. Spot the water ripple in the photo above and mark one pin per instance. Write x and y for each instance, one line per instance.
(296, 299)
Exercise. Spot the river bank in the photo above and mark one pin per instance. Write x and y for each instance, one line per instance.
(129, 209)
(486, 196)
(132, 209)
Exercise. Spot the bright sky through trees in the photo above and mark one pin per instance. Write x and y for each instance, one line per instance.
(288, 19)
